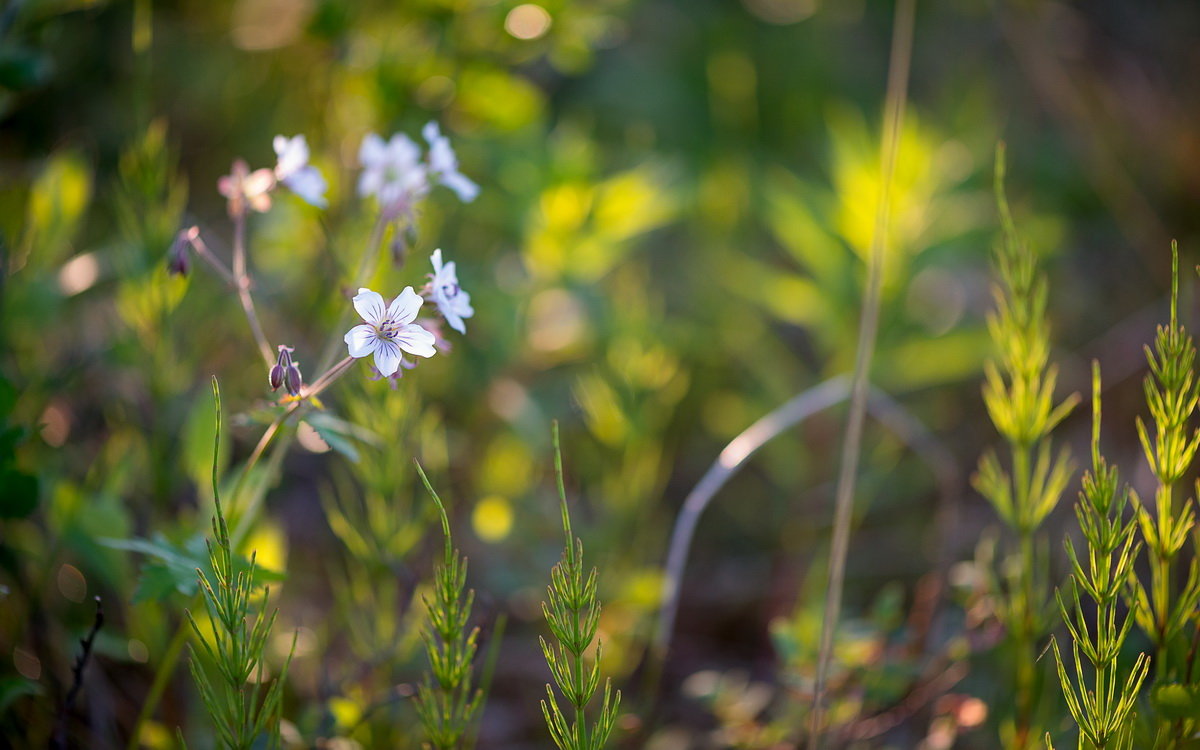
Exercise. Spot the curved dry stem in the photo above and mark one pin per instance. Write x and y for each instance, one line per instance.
(910, 430)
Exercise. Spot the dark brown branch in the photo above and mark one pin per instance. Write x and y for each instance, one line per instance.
(59, 740)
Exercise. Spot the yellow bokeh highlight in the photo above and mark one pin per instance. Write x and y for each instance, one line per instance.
(507, 467)
(268, 543)
(492, 518)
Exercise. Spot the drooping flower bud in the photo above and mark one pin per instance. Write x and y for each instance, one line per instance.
(179, 261)
(292, 379)
(278, 374)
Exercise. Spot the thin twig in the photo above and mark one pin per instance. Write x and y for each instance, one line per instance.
(198, 244)
(897, 95)
(242, 281)
(60, 732)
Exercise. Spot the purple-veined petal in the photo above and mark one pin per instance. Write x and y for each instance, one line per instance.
(387, 357)
(405, 307)
(369, 305)
(361, 340)
(414, 339)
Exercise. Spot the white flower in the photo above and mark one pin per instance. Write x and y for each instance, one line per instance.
(392, 172)
(444, 164)
(293, 170)
(453, 303)
(244, 188)
(388, 330)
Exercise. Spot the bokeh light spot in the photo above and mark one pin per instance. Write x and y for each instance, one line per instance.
(78, 274)
(492, 519)
(27, 665)
(71, 583)
(527, 21)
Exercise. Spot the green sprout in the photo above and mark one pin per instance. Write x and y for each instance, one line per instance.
(1103, 710)
(1172, 392)
(229, 667)
(447, 701)
(1019, 395)
(573, 615)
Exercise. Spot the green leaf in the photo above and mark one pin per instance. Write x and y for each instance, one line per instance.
(172, 567)
(1176, 701)
(18, 493)
(340, 434)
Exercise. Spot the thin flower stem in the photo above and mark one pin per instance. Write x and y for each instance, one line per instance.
(896, 98)
(241, 282)
(248, 516)
(366, 268)
(201, 247)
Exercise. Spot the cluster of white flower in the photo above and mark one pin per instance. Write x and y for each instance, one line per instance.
(399, 176)
(394, 172)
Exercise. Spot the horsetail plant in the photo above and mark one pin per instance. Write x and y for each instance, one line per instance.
(1104, 710)
(573, 615)
(1019, 395)
(1164, 609)
(447, 700)
(229, 666)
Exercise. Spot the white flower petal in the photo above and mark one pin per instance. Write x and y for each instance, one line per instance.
(387, 357)
(466, 189)
(369, 181)
(431, 132)
(436, 259)
(405, 307)
(292, 154)
(258, 182)
(414, 339)
(462, 305)
(455, 321)
(402, 152)
(370, 306)
(372, 151)
(309, 184)
(361, 340)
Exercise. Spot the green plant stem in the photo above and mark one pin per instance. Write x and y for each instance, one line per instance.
(1023, 638)
(366, 268)
(896, 98)
(162, 675)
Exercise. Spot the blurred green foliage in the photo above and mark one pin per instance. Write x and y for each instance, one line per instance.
(677, 197)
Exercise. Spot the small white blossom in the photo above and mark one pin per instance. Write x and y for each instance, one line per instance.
(245, 189)
(452, 301)
(293, 170)
(392, 172)
(388, 330)
(444, 164)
